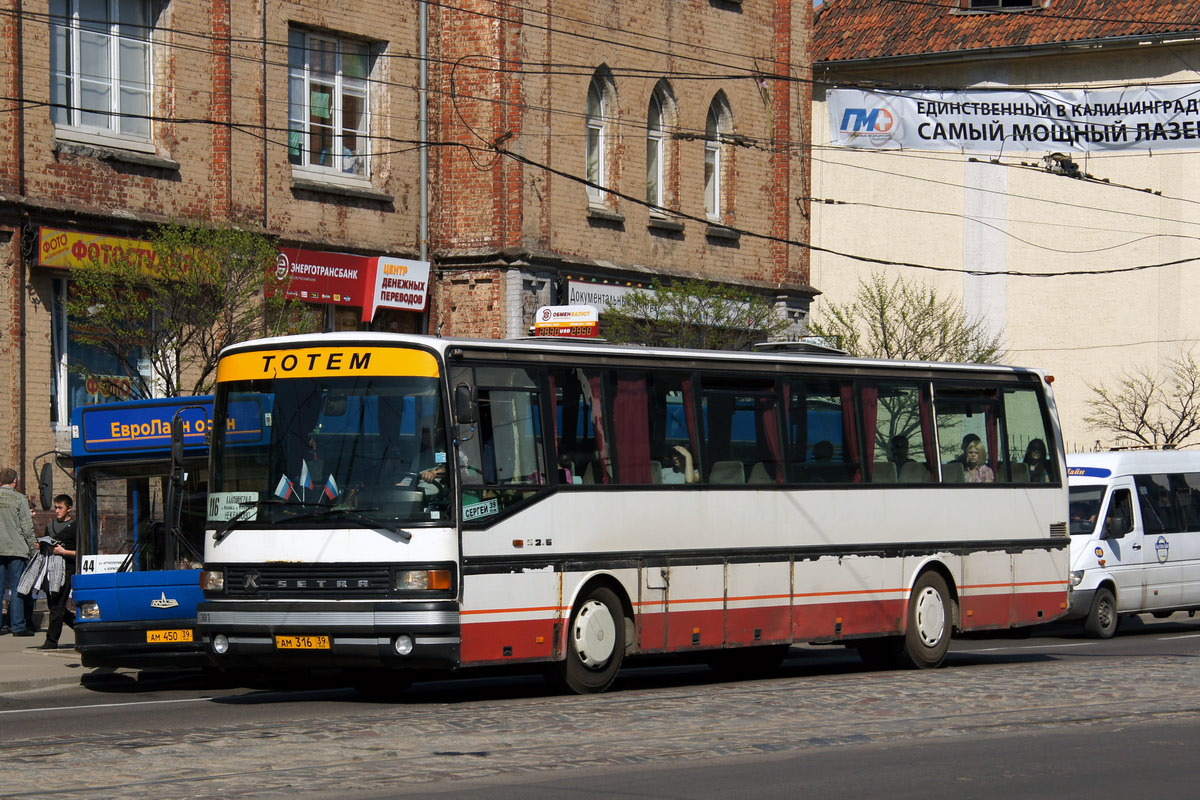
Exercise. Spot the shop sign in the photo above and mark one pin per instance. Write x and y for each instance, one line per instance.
(315, 276)
(566, 321)
(397, 283)
(74, 249)
(600, 295)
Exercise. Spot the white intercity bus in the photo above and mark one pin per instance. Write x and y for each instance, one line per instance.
(424, 504)
(1135, 535)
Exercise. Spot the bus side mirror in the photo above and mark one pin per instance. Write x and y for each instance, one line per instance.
(46, 487)
(465, 412)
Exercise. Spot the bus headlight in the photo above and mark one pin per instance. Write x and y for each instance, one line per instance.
(220, 644)
(1076, 577)
(403, 645)
(212, 580)
(423, 579)
(88, 610)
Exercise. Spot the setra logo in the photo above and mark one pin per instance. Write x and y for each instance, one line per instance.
(250, 581)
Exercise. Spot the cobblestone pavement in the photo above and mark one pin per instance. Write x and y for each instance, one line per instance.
(392, 747)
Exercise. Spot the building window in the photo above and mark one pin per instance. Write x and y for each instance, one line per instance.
(100, 65)
(599, 102)
(327, 103)
(655, 151)
(716, 128)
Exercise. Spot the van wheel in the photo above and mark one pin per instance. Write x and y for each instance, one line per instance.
(927, 636)
(595, 644)
(1101, 622)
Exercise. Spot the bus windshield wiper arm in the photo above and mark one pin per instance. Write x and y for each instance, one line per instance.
(363, 518)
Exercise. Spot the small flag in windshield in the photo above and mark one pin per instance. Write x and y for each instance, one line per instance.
(331, 490)
(284, 489)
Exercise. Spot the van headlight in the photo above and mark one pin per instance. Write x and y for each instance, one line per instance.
(88, 610)
(1076, 577)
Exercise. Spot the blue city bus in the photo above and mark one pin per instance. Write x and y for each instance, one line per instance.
(138, 568)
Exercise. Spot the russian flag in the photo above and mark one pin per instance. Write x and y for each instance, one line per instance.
(284, 489)
(305, 476)
(331, 490)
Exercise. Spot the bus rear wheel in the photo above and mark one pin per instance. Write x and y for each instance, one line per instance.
(595, 644)
(927, 636)
(1101, 622)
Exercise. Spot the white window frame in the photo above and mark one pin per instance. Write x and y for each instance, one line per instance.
(656, 153)
(717, 125)
(342, 161)
(595, 156)
(119, 49)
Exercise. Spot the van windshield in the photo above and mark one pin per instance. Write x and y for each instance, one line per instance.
(1085, 506)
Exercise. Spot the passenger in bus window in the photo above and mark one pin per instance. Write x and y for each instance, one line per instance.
(682, 467)
(967, 441)
(977, 470)
(900, 451)
(1035, 458)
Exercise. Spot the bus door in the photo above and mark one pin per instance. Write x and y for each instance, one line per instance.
(1162, 542)
(1118, 543)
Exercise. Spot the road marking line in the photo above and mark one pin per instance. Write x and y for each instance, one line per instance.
(1029, 647)
(107, 705)
(1181, 636)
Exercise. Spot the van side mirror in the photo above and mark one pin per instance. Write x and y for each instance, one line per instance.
(465, 411)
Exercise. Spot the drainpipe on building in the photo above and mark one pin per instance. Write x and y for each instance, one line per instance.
(423, 94)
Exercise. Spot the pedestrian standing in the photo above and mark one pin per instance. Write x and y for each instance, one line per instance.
(17, 543)
(61, 532)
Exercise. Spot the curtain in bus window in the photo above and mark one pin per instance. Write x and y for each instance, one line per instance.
(718, 426)
(593, 386)
(850, 432)
(993, 439)
(631, 429)
(689, 414)
(770, 453)
(925, 405)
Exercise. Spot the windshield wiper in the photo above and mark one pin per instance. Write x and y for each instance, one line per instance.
(371, 522)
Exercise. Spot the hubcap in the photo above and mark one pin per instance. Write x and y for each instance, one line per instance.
(595, 634)
(931, 617)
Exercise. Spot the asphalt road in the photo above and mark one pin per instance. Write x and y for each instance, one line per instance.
(1055, 715)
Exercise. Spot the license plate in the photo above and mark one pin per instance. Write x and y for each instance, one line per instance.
(302, 642)
(168, 637)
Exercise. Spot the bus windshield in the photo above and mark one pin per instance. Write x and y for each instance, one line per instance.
(1085, 505)
(356, 449)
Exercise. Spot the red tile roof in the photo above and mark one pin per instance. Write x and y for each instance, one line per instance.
(846, 30)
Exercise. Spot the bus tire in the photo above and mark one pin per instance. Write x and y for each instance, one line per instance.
(930, 624)
(1101, 622)
(595, 643)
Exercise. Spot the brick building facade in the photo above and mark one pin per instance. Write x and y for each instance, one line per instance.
(300, 119)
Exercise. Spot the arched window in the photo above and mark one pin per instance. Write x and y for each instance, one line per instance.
(717, 127)
(599, 100)
(658, 120)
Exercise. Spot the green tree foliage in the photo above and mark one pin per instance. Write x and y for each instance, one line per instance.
(174, 307)
(906, 320)
(1155, 407)
(692, 314)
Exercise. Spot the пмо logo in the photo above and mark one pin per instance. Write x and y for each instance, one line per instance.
(879, 123)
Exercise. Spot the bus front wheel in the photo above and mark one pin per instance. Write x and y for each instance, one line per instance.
(595, 643)
(927, 636)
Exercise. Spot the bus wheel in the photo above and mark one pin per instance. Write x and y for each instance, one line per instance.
(595, 644)
(927, 637)
(381, 684)
(1101, 622)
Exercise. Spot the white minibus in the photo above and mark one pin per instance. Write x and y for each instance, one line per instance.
(1135, 535)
